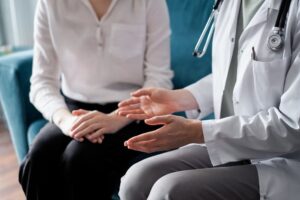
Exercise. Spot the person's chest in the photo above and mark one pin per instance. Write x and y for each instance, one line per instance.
(75, 28)
(100, 7)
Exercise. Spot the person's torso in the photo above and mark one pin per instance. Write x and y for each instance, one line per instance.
(98, 57)
(260, 80)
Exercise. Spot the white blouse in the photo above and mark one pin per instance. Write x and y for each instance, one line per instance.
(98, 61)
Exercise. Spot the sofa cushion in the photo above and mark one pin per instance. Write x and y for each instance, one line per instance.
(188, 18)
(34, 129)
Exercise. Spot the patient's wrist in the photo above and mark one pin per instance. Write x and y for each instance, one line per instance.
(60, 115)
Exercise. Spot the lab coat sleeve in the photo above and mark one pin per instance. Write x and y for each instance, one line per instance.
(157, 53)
(45, 80)
(270, 133)
(203, 93)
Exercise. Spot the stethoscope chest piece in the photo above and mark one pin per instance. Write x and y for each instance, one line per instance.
(275, 40)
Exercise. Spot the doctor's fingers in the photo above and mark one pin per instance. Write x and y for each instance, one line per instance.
(160, 120)
(128, 102)
(140, 138)
(138, 116)
(83, 118)
(143, 92)
(129, 109)
(149, 146)
(152, 135)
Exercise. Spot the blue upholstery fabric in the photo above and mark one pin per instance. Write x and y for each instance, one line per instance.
(188, 18)
(34, 128)
(15, 71)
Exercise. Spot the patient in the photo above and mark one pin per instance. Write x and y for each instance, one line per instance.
(88, 56)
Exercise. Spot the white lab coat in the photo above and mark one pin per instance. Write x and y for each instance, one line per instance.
(266, 125)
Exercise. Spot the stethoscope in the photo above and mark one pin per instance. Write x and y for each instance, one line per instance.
(275, 38)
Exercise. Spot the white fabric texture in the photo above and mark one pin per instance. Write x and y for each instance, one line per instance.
(266, 125)
(98, 61)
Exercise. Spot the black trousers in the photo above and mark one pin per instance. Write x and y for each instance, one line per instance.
(58, 167)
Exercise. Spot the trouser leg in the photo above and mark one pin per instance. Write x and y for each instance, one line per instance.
(139, 179)
(144, 178)
(93, 171)
(39, 172)
(57, 165)
(220, 183)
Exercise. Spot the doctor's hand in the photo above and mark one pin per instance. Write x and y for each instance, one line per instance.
(92, 125)
(175, 132)
(148, 102)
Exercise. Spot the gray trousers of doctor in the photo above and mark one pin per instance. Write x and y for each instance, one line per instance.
(187, 174)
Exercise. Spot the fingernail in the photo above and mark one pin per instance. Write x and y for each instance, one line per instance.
(125, 144)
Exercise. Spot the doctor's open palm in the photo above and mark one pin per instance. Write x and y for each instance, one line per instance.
(148, 102)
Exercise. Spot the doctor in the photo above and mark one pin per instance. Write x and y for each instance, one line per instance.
(252, 148)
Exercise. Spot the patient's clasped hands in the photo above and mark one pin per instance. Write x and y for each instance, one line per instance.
(155, 106)
(91, 125)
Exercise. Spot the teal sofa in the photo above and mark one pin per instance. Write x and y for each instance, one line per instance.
(188, 18)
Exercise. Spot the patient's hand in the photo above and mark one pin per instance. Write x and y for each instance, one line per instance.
(92, 125)
(64, 120)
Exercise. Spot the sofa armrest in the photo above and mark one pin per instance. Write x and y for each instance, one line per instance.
(15, 72)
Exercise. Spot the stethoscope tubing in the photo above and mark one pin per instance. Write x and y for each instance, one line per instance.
(209, 23)
(276, 31)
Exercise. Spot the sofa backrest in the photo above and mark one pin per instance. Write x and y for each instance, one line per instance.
(188, 18)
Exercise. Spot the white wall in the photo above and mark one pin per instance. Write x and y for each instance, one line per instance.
(17, 17)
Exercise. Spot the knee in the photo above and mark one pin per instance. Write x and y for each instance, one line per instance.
(167, 188)
(138, 180)
(129, 184)
(82, 156)
(74, 155)
(43, 147)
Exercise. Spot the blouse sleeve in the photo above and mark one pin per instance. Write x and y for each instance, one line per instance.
(157, 55)
(45, 80)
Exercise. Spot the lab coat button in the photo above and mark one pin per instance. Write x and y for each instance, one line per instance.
(232, 39)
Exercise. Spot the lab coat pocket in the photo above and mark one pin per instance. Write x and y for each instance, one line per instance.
(269, 78)
(127, 41)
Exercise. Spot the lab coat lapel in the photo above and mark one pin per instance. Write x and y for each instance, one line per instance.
(224, 43)
(232, 24)
(260, 17)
